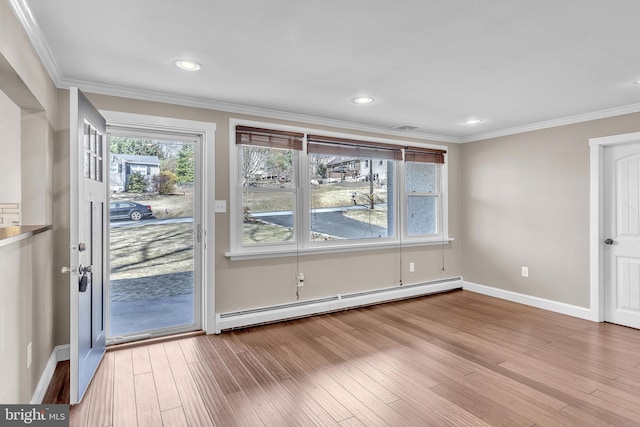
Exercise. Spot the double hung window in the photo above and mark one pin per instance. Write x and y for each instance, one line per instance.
(305, 191)
(423, 192)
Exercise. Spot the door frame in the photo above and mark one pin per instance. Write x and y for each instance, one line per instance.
(207, 131)
(596, 223)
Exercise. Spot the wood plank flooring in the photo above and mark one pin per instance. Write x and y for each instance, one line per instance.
(457, 358)
(58, 389)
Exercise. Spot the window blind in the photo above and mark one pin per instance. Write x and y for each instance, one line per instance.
(424, 155)
(270, 138)
(320, 144)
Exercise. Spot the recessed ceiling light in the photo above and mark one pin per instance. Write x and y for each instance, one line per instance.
(472, 121)
(363, 100)
(187, 65)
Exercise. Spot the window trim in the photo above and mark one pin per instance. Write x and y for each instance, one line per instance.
(302, 244)
(235, 196)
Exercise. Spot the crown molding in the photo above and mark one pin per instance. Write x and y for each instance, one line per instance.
(563, 121)
(22, 12)
(147, 95)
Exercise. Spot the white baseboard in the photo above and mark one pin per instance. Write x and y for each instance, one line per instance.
(59, 354)
(277, 313)
(555, 306)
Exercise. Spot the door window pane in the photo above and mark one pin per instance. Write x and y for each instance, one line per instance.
(154, 267)
(87, 162)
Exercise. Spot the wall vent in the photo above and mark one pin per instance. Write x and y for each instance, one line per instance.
(405, 127)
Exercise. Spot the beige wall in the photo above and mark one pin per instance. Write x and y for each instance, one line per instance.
(10, 175)
(16, 322)
(37, 177)
(26, 288)
(525, 202)
(61, 233)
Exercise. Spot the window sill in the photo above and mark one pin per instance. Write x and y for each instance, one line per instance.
(248, 255)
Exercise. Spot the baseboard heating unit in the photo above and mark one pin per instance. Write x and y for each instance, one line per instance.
(275, 313)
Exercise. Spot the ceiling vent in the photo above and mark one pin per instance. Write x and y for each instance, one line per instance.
(405, 127)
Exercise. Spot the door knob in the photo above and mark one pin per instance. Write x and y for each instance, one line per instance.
(608, 242)
(85, 269)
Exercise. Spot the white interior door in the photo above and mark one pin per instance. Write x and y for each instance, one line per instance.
(622, 234)
(88, 228)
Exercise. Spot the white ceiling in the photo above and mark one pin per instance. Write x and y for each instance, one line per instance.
(433, 64)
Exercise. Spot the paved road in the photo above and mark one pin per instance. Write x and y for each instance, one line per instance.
(146, 303)
(150, 221)
(332, 223)
(325, 221)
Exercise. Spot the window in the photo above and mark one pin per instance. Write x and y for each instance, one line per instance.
(141, 169)
(422, 190)
(115, 167)
(351, 189)
(299, 191)
(267, 167)
(421, 187)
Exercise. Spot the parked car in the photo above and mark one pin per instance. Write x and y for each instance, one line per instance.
(129, 210)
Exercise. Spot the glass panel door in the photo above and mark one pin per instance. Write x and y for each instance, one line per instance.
(153, 205)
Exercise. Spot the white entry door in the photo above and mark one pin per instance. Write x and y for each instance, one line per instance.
(88, 228)
(622, 234)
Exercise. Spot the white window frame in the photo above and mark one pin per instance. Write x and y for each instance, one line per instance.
(302, 245)
(441, 195)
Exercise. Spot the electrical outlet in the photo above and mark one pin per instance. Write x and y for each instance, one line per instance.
(29, 355)
(221, 206)
(525, 271)
(300, 280)
(412, 267)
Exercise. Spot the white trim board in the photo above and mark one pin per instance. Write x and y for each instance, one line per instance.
(207, 131)
(60, 353)
(555, 306)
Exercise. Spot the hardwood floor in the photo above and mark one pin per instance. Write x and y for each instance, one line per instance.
(458, 359)
(58, 389)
